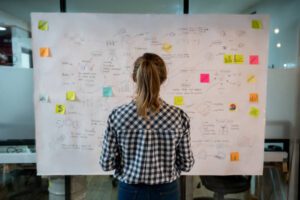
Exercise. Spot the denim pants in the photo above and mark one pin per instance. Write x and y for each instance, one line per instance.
(167, 191)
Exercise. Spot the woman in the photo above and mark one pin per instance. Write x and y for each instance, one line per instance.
(147, 142)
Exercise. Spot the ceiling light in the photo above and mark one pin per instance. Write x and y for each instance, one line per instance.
(278, 45)
(276, 30)
(2, 28)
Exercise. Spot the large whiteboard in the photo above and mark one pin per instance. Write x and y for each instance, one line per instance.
(217, 68)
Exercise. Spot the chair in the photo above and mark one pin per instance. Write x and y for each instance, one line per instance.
(222, 185)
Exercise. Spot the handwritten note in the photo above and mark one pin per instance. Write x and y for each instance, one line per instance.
(45, 52)
(60, 109)
(44, 98)
(43, 25)
(253, 60)
(71, 96)
(178, 100)
(204, 78)
(107, 92)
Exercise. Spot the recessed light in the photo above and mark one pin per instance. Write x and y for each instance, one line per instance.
(278, 45)
(276, 30)
(2, 28)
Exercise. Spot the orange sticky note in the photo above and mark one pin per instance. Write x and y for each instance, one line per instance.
(228, 58)
(253, 97)
(178, 100)
(238, 59)
(45, 52)
(234, 156)
(60, 109)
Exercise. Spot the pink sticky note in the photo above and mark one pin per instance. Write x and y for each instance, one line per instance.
(254, 60)
(204, 78)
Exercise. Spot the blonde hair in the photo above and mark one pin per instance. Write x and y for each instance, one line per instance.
(149, 73)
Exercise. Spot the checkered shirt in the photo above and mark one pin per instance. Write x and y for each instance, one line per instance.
(149, 151)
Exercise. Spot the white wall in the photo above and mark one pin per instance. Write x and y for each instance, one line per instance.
(283, 109)
(7, 19)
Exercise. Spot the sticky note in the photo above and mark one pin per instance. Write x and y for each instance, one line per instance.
(60, 109)
(234, 156)
(256, 24)
(254, 112)
(204, 78)
(238, 59)
(43, 25)
(178, 100)
(251, 78)
(45, 52)
(253, 97)
(253, 60)
(228, 58)
(71, 96)
(232, 107)
(44, 98)
(167, 47)
(107, 92)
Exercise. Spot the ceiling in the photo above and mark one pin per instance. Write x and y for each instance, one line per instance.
(22, 8)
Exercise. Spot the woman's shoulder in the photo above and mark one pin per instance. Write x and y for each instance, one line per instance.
(174, 110)
(123, 108)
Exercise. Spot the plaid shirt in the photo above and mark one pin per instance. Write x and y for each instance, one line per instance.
(150, 151)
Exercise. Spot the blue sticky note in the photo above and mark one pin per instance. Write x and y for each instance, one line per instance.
(107, 91)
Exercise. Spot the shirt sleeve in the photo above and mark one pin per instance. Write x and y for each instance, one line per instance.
(109, 153)
(184, 154)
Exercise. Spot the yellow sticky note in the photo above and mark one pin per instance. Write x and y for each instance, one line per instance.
(167, 47)
(60, 109)
(45, 52)
(253, 97)
(254, 112)
(43, 25)
(238, 59)
(178, 100)
(234, 156)
(251, 78)
(228, 58)
(257, 24)
(71, 96)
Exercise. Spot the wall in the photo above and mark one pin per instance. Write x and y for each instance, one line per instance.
(284, 14)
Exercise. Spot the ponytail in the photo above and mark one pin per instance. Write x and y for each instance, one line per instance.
(149, 73)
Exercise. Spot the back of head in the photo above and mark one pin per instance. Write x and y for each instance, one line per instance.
(149, 73)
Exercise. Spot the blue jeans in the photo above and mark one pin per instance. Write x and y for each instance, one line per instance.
(167, 191)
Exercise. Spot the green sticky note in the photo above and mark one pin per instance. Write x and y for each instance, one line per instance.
(257, 24)
(107, 92)
(60, 109)
(254, 112)
(71, 96)
(178, 100)
(43, 25)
